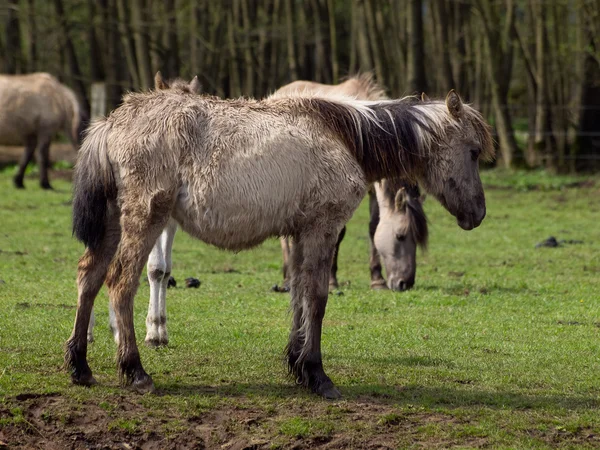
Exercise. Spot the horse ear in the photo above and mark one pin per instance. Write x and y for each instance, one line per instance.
(159, 83)
(195, 86)
(401, 200)
(424, 97)
(454, 104)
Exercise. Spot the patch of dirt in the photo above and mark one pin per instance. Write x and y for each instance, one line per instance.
(121, 421)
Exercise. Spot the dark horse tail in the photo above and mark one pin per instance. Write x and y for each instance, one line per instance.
(93, 186)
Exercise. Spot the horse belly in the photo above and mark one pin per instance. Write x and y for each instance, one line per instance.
(231, 222)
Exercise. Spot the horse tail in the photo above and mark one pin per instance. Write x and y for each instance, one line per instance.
(93, 186)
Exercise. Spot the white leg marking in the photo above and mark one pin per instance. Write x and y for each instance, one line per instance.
(159, 270)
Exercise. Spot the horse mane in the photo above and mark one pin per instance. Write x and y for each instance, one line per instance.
(385, 137)
(367, 83)
(389, 137)
(417, 219)
(484, 134)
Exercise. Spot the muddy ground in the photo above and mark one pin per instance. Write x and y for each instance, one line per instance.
(53, 421)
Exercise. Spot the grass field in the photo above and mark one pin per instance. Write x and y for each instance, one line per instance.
(496, 346)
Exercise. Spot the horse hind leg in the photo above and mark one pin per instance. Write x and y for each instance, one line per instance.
(44, 150)
(159, 271)
(91, 273)
(311, 271)
(141, 226)
(286, 250)
(30, 144)
(333, 281)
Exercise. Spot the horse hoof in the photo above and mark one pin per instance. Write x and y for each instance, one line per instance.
(143, 385)
(329, 392)
(19, 184)
(84, 380)
(46, 186)
(156, 343)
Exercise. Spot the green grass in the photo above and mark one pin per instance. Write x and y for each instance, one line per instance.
(497, 345)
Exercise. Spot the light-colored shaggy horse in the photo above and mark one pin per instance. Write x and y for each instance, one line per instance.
(236, 172)
(397, 221)
(33, 108)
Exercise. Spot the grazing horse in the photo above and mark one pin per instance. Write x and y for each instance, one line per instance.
(233, 173)
(33, 108)
(394, 234)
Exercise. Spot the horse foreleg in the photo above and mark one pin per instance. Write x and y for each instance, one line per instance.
(30, 144)
(92, 270)
(90, 331)
(140, 227)
(377, 280)
(310, 289)
(286, 250)
(44, 150)
(333, 282)
(159, 271)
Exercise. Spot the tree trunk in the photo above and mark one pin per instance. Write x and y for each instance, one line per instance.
(234, 80)
(32, 36)
(333, 42)
(417, 81)
(364, 52)
(111, 49)
(374, 41)
(499, 68)
(291, 51)
(249, 66)
(545, 145)
(72, 61)
(139, 23)
(96, 63)
(128, 44)
(13, 57)
(443, 44)
(170, 43)
(587, 146)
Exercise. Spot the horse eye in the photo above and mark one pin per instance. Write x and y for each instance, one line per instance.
(401, 237)
(475, 154)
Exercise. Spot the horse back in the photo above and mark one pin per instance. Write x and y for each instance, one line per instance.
(33, 104)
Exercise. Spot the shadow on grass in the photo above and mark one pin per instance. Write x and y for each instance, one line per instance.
(408, 396)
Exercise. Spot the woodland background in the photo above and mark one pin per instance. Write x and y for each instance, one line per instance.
(532, 67)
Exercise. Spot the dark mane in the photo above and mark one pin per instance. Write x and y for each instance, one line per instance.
(384, 137)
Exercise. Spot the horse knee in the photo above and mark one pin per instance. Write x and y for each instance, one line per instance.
(158, 274)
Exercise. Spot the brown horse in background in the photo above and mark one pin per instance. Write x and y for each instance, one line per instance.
(397, 224)
(33, 108)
